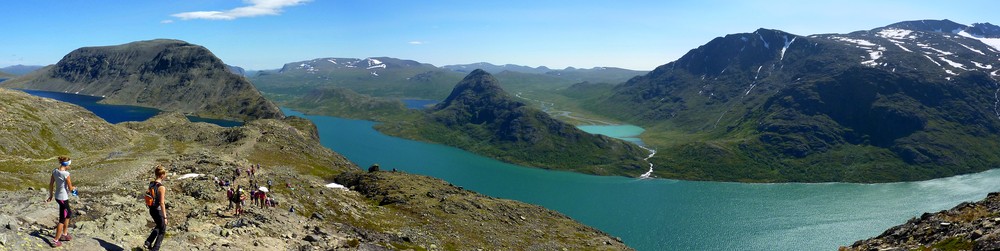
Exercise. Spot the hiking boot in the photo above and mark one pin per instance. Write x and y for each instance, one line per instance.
(66, 237)
(56, 243)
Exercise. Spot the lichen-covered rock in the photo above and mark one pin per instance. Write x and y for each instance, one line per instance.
(968, 226)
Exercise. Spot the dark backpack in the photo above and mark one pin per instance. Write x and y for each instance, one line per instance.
(153, 194)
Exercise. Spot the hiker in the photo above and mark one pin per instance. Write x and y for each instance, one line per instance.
(373, 168)
(60, 186)
(253, 197)
(238, 199)
(229, 197)
(269, 185)
(155, 197)
(261, 198)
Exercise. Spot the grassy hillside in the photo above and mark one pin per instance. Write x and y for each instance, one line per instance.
(480, 117)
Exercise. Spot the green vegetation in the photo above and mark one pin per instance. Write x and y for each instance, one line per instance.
(951, 244)
(342, 102)
(813, 116)
(480, 117)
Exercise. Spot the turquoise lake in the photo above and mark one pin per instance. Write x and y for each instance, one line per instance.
(650, 214)
(628, 133)
(660, 214)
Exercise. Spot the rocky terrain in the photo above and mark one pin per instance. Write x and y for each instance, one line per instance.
(112, 165)
(968, 226)
(481, 117)
(170, 75)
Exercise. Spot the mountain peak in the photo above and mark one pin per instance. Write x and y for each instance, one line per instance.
(479, 84)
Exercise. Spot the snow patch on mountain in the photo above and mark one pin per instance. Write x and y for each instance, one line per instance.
(307, 67)
(765, 41)
(894, 33)
(983, 66)
(932, 60)
(875, 55)
(787, 43)
(900, 44)
(860, 42)
(992, 42)
(376, 66)
(971, 49)
(953, 63)
(940, 52)
(331, 61)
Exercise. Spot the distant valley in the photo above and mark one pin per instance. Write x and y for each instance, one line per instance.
(909, 101)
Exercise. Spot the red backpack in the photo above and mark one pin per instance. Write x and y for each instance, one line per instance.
(152, 194)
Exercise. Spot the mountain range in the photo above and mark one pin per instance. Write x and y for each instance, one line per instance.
(18, 70)
(170, 75)
(401, 78)
(908, 101)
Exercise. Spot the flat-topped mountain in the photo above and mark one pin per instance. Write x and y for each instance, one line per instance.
(479, 116)
(170, 75)
(909, 101)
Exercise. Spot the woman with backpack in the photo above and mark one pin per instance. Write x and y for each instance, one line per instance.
(157, 208)
(60, 186)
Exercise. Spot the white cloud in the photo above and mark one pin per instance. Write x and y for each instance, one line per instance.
(256, 8)
(415, 42)
(168, 21)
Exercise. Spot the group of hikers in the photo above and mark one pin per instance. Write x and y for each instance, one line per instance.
(61, 187)
(237, 195)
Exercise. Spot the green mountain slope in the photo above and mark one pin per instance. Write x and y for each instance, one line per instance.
(342, 102)
(909, 101)
(170, 75)
(480, 117)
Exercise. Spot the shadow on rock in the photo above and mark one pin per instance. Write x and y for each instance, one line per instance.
(109, 246)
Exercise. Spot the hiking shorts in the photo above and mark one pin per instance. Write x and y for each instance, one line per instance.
(64, 211)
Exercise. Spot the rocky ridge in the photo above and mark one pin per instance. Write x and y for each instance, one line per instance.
(109, 213)
(968, 226)
(481, 117)
(170, 75)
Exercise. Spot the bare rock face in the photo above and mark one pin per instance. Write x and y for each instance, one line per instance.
(170, 75)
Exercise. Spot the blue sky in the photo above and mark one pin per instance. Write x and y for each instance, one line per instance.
(265, 34)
